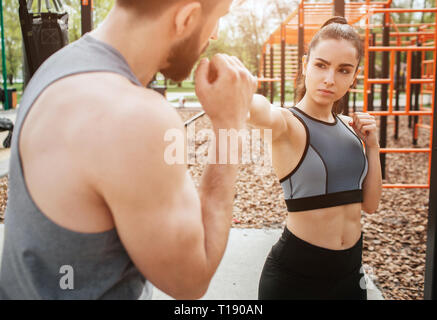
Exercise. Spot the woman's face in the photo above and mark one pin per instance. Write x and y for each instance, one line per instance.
(330, 71)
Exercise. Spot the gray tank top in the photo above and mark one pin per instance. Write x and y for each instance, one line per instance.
(331, 170)
(42, 260)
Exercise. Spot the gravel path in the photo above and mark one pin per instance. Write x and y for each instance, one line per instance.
(394, 237)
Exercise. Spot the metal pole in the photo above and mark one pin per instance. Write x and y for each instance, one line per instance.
(26, 21)
(355, 102)
(300, 48)
(283, 66)
(412, 85)
(87, 15)
(5, 74)
(417, 93)
(371, 73)
(345, 104)
(300, 41)
(384, 90)
(398, 91)
(338, 8)
(431, 240)
(264, 73)
(194, 118)
(272, 74)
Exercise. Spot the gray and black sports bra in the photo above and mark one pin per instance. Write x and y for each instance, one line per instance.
(331, 170)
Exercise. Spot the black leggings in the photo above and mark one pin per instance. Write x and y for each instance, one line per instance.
(296, 269)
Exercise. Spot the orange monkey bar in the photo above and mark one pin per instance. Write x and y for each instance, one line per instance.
(430, 80)
(299, 28)
(283, 44)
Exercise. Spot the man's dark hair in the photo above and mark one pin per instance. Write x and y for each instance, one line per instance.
(155, 7)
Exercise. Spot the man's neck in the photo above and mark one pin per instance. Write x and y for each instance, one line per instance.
(142, 47)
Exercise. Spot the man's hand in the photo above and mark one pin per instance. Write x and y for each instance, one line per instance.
(225, 89)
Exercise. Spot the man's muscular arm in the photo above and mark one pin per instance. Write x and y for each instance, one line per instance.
(175, 236)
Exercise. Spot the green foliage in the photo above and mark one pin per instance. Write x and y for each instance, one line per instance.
(242, 33)
(413, 17)
(73, 7)
(221, 45)
(247, 28)
(12, 39)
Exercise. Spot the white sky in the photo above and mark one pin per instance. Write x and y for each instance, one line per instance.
(256, 6)
(259, 7)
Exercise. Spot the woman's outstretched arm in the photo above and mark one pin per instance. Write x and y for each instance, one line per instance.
(263, 115)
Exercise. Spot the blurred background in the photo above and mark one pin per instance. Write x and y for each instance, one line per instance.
(242, 34)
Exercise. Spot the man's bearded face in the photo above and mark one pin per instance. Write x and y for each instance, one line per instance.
(182, 58)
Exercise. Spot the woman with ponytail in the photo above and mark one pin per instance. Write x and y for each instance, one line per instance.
(328, 166)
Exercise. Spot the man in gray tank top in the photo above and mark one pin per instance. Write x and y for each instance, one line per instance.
(95, 211)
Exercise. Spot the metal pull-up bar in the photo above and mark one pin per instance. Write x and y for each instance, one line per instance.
(87, 15)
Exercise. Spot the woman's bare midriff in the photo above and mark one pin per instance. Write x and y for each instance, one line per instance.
(335, 228)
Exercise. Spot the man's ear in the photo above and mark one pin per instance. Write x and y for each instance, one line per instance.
(304, 64)
(187, 18)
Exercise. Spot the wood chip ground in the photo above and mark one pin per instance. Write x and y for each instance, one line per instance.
(394, 236)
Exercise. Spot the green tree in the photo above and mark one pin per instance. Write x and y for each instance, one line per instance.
(73, 7)
(248, 26)
(13, 36)
(221, 45)
(12, 39)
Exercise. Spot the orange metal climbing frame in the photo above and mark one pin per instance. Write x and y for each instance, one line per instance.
(311, 16)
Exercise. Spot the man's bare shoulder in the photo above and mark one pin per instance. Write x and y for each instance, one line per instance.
(118, 116)
(113, 92)
(116, 101)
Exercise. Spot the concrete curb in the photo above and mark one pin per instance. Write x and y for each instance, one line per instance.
(4, 168)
